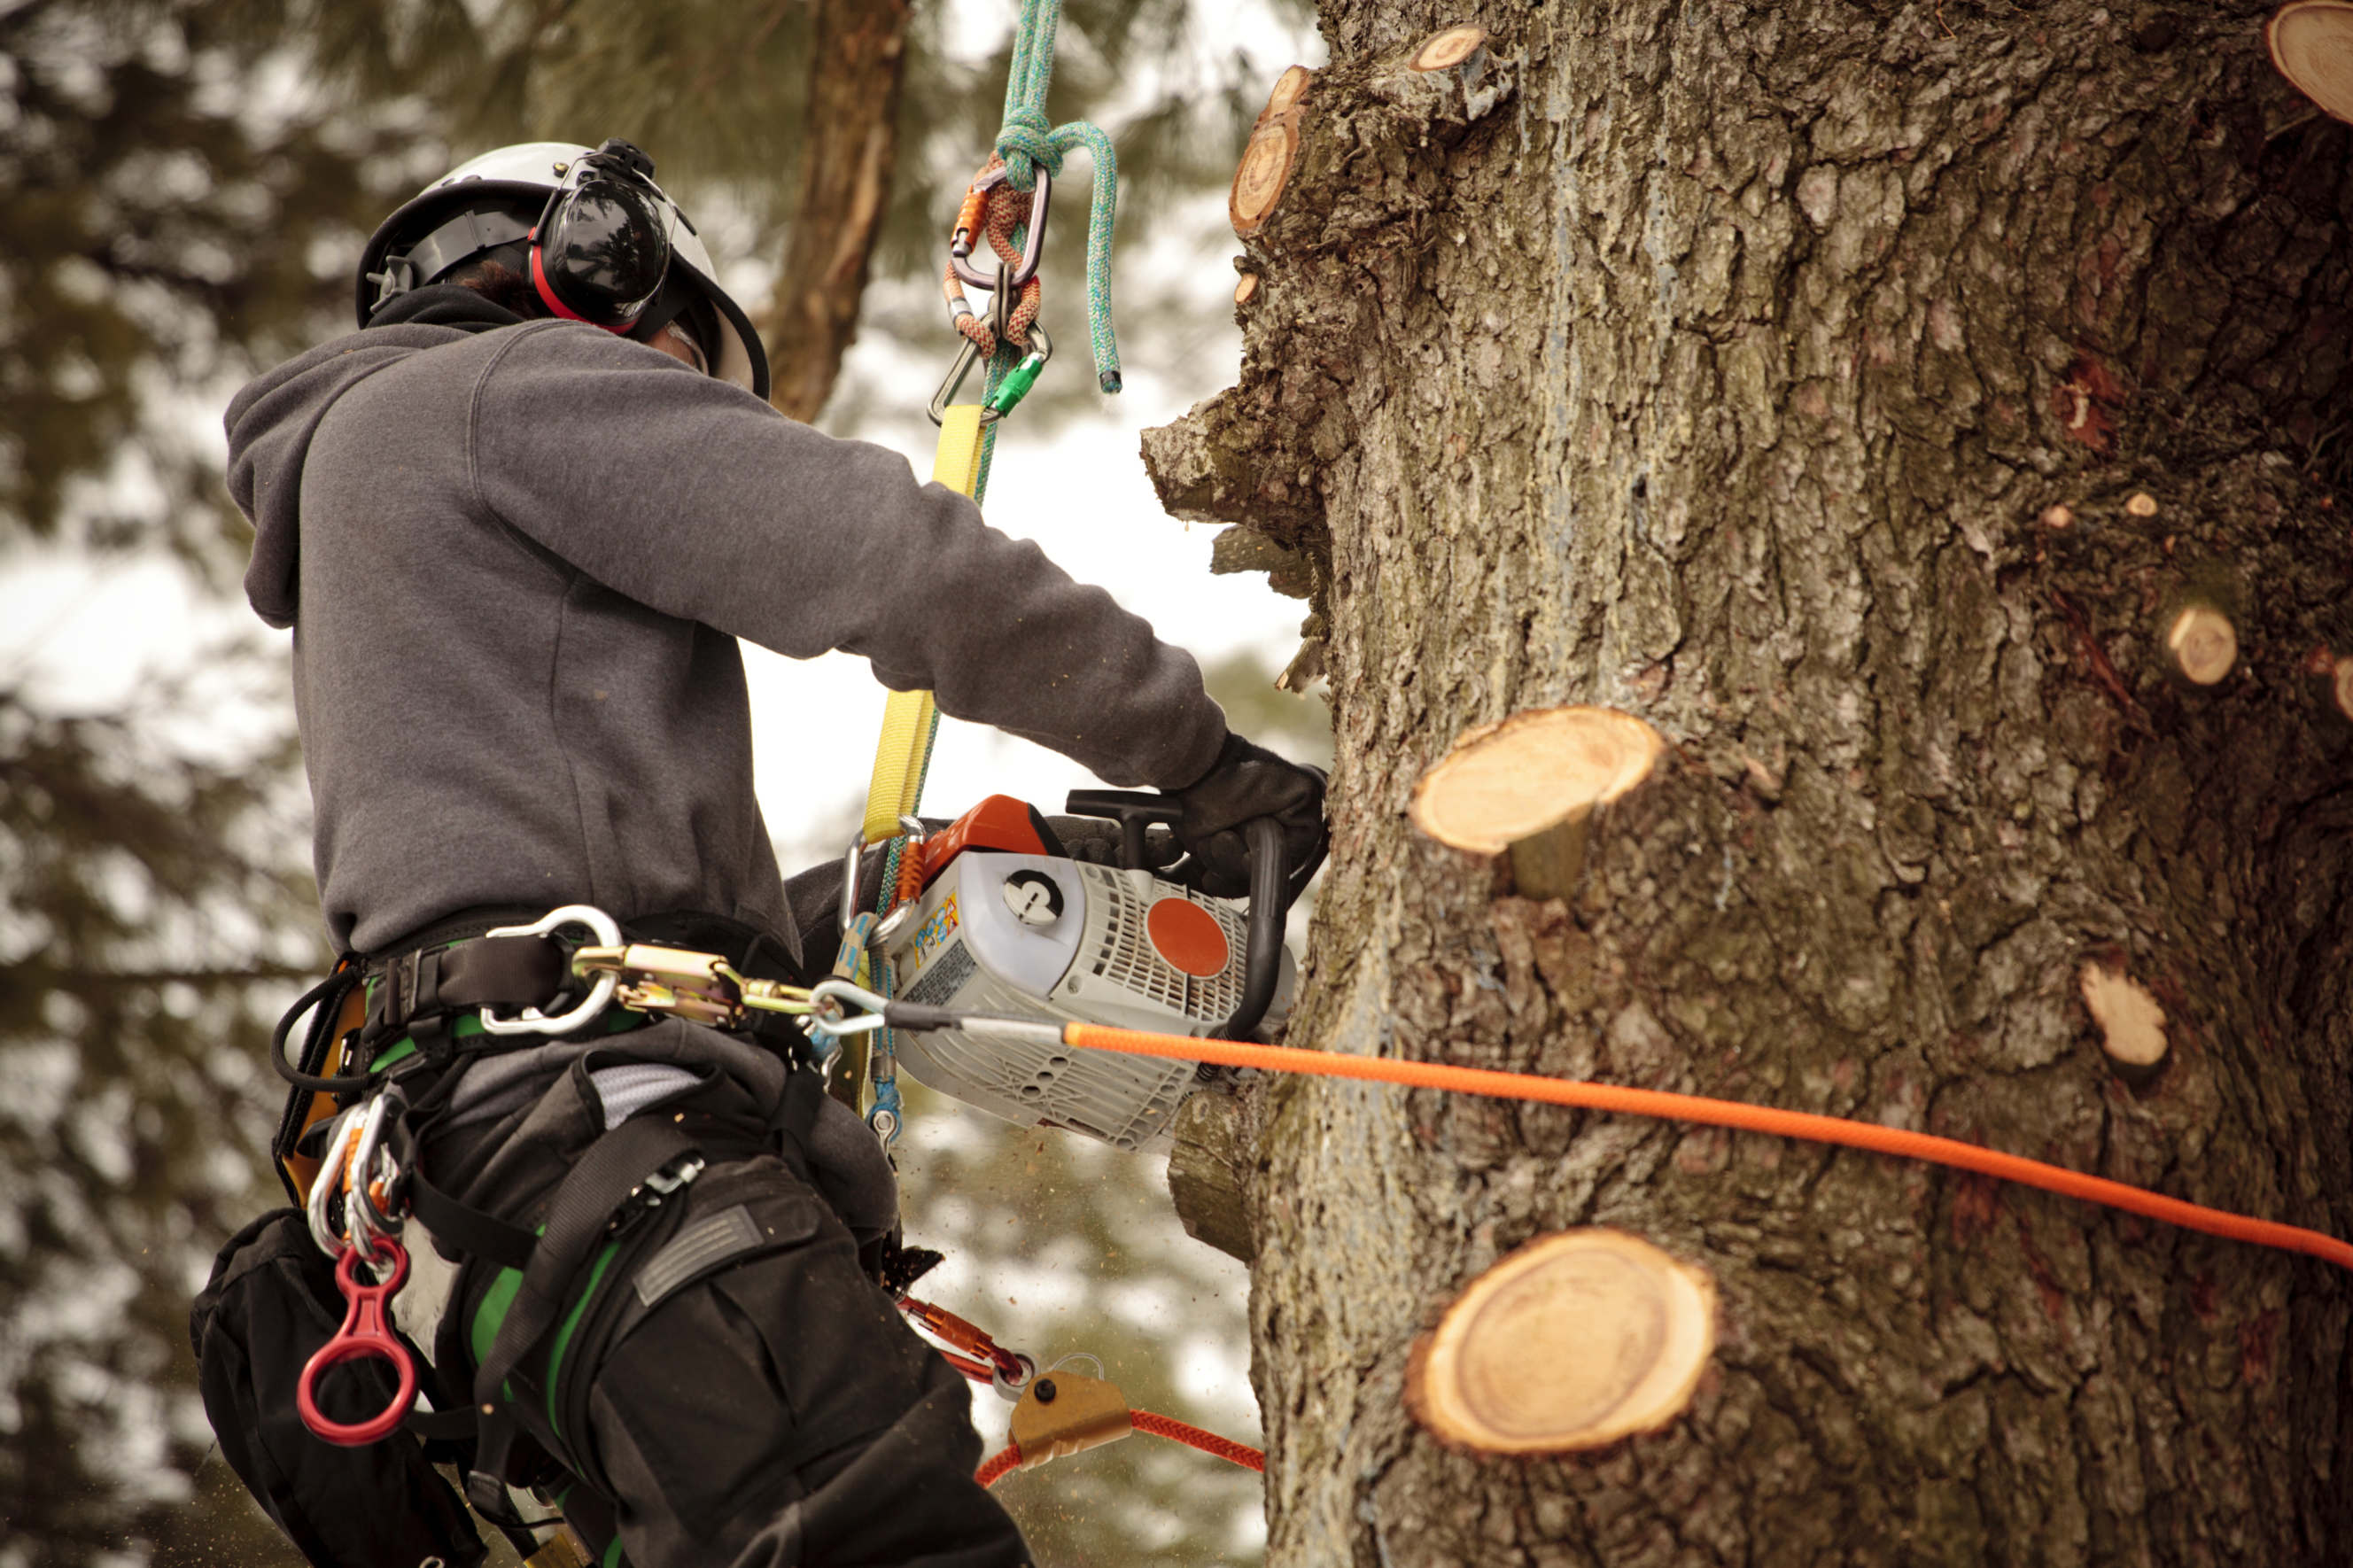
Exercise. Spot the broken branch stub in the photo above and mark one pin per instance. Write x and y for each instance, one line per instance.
(2132, 1026)
(1574, 1342)
(1529, 785)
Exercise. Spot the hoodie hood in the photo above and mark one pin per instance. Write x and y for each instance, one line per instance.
(271, 421)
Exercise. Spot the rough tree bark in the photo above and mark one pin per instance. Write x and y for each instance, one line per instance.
(1784, 376)
(850, 148)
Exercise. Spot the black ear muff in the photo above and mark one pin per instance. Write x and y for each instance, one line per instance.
(601, 249)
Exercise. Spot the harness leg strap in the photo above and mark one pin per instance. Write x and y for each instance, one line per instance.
(613, 1170)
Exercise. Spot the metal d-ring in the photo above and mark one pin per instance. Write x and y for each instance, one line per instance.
(532, 1021)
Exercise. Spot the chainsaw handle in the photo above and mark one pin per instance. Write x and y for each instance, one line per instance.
(1272, 891)
(1134, 811)
(1270, 901)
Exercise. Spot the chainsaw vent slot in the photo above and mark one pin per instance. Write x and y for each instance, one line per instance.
(1124, 956)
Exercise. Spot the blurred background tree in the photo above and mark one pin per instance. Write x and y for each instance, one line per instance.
(183, 185)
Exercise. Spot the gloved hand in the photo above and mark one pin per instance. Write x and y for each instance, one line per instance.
(1247, 782)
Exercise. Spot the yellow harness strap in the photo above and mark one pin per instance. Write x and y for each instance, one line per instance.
(910, 718)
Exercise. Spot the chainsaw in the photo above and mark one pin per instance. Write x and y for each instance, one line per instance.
(1009, 922)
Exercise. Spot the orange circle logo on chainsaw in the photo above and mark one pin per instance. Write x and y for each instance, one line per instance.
(1187, 937)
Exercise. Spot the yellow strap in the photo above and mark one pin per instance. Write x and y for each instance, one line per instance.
(909, 718)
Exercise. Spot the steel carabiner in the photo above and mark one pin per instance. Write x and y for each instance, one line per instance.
(960, 246)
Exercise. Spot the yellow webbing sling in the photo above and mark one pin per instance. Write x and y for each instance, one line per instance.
(910, 718)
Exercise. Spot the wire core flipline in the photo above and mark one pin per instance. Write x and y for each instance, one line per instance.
(1009, 1457)
(1738, 1115)
(1616, 1100)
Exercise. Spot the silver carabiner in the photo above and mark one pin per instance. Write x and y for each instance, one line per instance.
(849, 863)
(835, 992)
(368, 1220)
(960, 249)
(330, 1177)
(964, 361)
(532, 1021)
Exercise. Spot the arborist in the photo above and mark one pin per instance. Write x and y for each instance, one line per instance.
(517, 524)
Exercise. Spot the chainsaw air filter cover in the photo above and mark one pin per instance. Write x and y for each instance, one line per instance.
(1032, 936)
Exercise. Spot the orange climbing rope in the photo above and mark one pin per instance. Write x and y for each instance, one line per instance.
(1159, 1426)
(1730, 1113)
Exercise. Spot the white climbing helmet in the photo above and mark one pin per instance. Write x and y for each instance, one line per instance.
(648, 255)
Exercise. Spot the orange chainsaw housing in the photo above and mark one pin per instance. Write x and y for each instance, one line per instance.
(1000, 822)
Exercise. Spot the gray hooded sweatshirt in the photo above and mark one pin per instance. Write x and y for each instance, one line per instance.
(517, 559)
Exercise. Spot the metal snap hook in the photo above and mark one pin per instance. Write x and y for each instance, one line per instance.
(532, 1021)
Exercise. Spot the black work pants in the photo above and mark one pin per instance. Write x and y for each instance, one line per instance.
(773, 1409)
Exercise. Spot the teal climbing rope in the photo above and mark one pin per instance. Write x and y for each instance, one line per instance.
(1026, 142)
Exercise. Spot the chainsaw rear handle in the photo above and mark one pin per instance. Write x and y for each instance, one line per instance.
(1271, 895)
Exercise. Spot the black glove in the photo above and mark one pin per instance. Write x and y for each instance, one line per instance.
(1247, 782)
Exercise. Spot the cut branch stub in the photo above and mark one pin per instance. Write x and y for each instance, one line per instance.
(1244, 287)
(2203, 644)
(1265, 169)
(1573, 1342)
(1289, 89)
(2342, 686)
(1443, 51)
(2312, 45)
(2132, 1026)
(1529, 785)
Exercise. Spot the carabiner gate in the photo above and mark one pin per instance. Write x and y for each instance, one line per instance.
(960, 246)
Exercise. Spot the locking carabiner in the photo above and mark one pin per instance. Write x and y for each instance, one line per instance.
(969, 231)
(1009, 392)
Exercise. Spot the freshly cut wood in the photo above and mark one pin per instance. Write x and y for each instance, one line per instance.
(1289, 89)
(1265, 169)
(1574, 1340)
(2203, 643)
(2132, 1026)
(1246, 287)
(2312, 45)
(2343, 687)
(1443, 51)
(2142, 504)
(1530, 784)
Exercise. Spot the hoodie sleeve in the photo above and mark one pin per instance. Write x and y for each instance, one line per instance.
(699, 500)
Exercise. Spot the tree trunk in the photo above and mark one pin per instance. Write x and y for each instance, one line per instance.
(849, 147)
(1786, 376)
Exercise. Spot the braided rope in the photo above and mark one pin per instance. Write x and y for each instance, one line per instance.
(1009, 1457)
(1027, 143)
